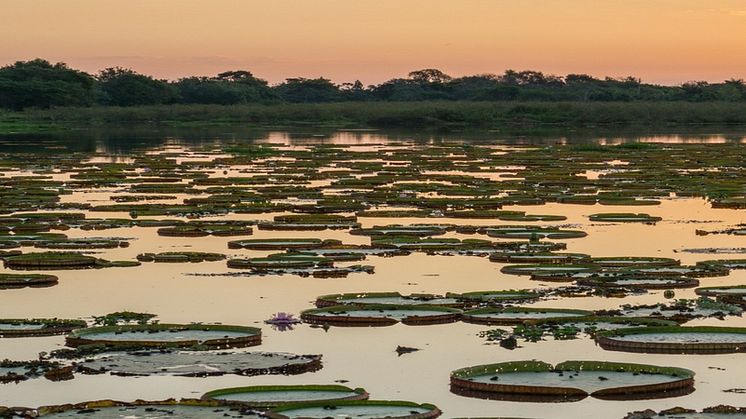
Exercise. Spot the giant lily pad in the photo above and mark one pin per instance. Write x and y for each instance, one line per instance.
(363, 409)
(393, 298)
(278, 244)
(679, 339)
(37, 327)
(167, 335)
(634, 262)
(643, 282)
(549, 271)
(278, 395)
(517, 315)
(522, 232)
(198, 364)
(624, 217)
(497, 296)
(540, 258)
(735, 290)
(185, 409)
(715, 412)
(26, 280)
(180, 257)
(60, 260)
(381, 315)
(571, 381)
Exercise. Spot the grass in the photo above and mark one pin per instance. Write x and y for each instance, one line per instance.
(461, 114)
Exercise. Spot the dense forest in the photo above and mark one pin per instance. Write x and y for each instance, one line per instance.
(41, 84)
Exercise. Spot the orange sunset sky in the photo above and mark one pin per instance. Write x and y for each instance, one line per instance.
(661, 41)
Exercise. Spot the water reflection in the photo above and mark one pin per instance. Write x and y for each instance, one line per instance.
(366, 357)
(122, 140)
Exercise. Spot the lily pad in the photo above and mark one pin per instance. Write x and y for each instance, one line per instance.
(185, 409)
(364, 409)
(381, 315)
(678, 339)
(277, 244)
(180, 257)
(37, 327)
(198, 364)
(517, 315)
(528, 233)
(26, 280)
(391, 298)
(624, 217)
(571, 381)
(167, 335)
(278, 395)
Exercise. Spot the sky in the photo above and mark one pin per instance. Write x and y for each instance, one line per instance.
(660, 41)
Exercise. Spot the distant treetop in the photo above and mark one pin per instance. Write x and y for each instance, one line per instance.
(39, 83)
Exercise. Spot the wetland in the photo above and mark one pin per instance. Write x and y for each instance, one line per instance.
(224, 271)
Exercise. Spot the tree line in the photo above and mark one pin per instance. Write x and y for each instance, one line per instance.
(41, 84)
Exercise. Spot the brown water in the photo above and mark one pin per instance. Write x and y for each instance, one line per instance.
(366, 357)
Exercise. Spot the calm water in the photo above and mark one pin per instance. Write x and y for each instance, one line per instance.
(365, 357)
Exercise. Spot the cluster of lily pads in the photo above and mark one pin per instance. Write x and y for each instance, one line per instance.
(134, 344)
(336, 187)
(634, 329)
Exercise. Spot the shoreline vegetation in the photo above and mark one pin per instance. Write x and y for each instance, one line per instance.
(400, 115)
(37, 96)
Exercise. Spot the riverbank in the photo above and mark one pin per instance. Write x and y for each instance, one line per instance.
(455, 115)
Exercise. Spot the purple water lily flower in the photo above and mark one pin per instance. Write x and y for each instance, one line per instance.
(282, 321)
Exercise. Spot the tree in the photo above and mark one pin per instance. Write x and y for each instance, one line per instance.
(308, 90)
(39, 83)
(429, 76)
(228, 88)
(124, 87)
(353, 91)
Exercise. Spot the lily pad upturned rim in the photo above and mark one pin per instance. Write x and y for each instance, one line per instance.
(510, 295)
(359, 393)
(449, 315)
(461, 384)
(108, 403)
(525, 269)
(277, 413)
(53, 327)
(624, 217)
(652, 261)
(330, 300)
(539, 258)
(709, 291)
(606, 340)
(276, 243)
(62, 260)
(609, 282)
(470, 316)
(82, 337)
(644, 322)
(8, 280)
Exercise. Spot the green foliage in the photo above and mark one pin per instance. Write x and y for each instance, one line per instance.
(124, 87)
(229, 88)
(300, 90)
(39, 83)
